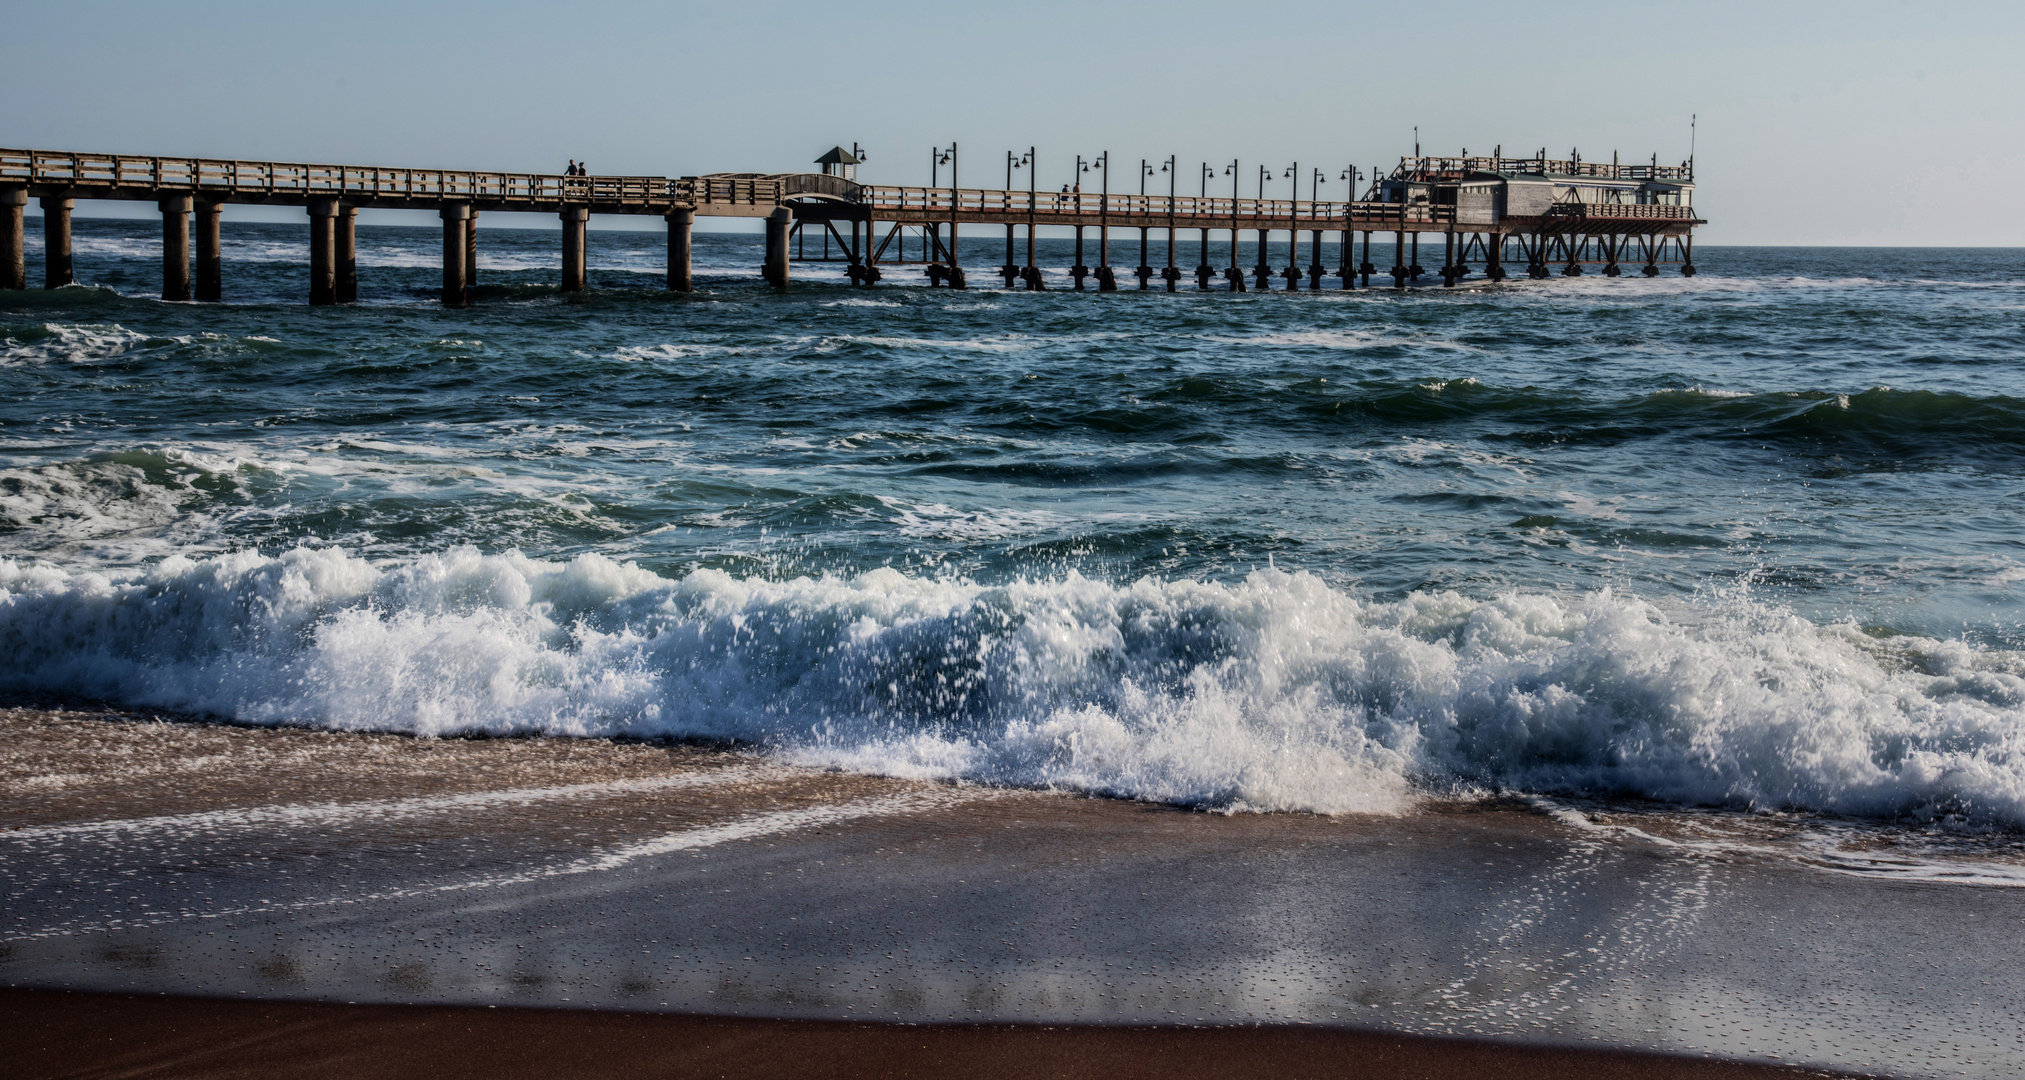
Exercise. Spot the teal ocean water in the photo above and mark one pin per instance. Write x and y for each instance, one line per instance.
(1750, 539)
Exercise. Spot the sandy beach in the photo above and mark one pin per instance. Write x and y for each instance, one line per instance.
(52, 1035)
(706, 893)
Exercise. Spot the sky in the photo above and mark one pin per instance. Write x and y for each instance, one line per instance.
(1860, 123)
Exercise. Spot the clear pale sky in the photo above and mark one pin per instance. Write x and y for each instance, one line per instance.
(1845, 123)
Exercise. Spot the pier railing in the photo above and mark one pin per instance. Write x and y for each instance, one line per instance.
(1617, 211)
(1191, 208)
(225, 178)
(1451, 168)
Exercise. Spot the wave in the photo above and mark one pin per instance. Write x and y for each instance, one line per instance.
(1275, 692)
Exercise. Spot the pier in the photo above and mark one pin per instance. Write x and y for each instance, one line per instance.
(1536, 215)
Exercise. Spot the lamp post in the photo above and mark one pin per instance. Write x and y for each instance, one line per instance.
(1262, 273)
(1235, 274)
(1079, 271)
(1315, 270)
(1144, 272)
(1348, 254)
(1170, 273)
(955, 268)
(1011, 271)
(1203, 271)
(1105, 281)
(1293, 271)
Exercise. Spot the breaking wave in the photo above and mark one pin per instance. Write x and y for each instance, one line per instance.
(1276, 691)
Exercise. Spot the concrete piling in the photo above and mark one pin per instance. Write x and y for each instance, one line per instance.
(456, 218)
(777, 225)
(323, 251)
(681, 222)
(210, 262)
(348, 255)
(575, 225)
(176, 247)
(13, 238)
(56, 260)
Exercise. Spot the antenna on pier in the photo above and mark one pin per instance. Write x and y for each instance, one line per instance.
(1416, 141)
(1692, 118)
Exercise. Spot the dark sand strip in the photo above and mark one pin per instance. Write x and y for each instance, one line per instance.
(45, 1035)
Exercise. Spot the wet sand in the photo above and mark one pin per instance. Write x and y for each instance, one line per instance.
(50, 1035)
(726, 891)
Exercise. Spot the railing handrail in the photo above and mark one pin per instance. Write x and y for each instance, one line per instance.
(228, 176)
(1088, 204)
(1411, 168)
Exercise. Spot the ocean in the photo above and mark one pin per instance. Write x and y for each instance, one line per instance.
(1730, 562)
(1748, 539)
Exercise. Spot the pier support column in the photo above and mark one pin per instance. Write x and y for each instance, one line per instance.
(681, 223)
(471, 254)
(56, 266)
(1494, 257)
(1263, 272)
(176, 247)
(210, 263)
(1079, 271)
(1399, 267)
(575, 224)
(323, 251)
(348, 255)
(13, 238)
(1365, 269)
(777, 225)
(456, 218)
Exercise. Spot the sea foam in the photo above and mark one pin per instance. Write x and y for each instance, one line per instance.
(1277, 691)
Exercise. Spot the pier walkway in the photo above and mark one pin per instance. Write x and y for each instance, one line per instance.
(1534, 212)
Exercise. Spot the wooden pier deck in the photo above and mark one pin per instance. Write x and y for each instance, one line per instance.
(1495, 210)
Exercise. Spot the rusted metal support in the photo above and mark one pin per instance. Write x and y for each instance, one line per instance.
(210, 284)
(456, 217)
(348, 255)
(681, 226)
(13, 238)
(176, 247)
(471, 254)
(56, 256)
